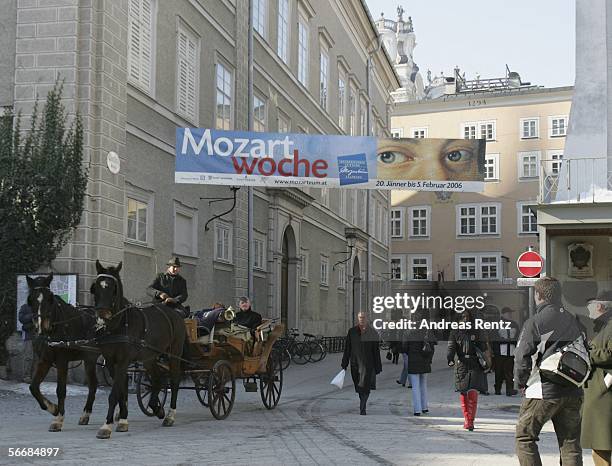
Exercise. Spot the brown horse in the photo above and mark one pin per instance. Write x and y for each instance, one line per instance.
(132, 333)
(55, 320)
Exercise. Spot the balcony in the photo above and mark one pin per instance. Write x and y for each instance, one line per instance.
(573, 181)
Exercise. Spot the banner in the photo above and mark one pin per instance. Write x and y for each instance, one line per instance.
(207, 156)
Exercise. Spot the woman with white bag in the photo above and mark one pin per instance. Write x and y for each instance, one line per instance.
(362, 351)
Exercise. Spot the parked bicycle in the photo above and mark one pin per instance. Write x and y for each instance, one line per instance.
(316, 349)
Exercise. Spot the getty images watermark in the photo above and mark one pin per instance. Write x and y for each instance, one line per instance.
(404, 311)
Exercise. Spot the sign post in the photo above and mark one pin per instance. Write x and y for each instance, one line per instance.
(529, 264)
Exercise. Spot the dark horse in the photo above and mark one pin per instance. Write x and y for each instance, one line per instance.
(55, 320)
(132, 333)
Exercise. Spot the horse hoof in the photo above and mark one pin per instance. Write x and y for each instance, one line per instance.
(122, 427)
(55, 427)
(84, 420)
(104, 434)
(168, 422)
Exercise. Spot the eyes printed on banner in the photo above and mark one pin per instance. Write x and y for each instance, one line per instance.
(433, 159)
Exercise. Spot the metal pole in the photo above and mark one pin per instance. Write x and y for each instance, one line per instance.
(531, 294)
(369, 199)
(250, 204)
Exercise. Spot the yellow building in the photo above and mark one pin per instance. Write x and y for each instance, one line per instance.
(478, 236)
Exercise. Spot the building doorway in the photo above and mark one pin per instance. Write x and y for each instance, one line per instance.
(288, 279)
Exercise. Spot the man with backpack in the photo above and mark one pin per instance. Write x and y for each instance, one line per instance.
(548, 395)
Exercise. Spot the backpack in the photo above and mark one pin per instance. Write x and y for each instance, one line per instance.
(569, 366)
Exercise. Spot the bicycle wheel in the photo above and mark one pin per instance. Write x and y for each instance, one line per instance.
(300, 353)
(285, 358)
(320, 351)
(316, 351)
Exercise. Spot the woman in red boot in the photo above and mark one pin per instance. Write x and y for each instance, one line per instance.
(469, 375)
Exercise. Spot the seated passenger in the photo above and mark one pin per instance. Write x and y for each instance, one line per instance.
(247, 317)
(207, 318)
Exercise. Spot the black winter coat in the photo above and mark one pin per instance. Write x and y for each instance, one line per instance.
(174, 286)
(363, 353)
(420, 352)
(468, 373)
(250, 319)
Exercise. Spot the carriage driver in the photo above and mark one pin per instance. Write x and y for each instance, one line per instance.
(170, 288)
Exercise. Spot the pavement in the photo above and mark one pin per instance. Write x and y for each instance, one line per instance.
(314, 423)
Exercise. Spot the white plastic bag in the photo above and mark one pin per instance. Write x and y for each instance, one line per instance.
(338, 381)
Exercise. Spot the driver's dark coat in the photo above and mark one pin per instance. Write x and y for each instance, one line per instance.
(174, 286)
(362, 352)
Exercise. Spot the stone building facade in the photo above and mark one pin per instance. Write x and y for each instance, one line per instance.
(136, 70)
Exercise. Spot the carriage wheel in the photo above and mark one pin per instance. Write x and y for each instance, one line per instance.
(271, 381)
(300, 353)
(143, 393)
(201, 389)
(285, 358)
(221, 390)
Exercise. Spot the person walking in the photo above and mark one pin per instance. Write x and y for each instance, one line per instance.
(467, 344)
(597, 412)
(550, 329)
(27, 328)
(362, 352)
(404, 350)
(420, 355)
(504, 345)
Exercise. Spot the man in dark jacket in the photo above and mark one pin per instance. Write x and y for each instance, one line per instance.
(27, 329)
(597, 414)
(361, 350)
(170, 288)
(247, 317)
(504, 344)
(548, 330)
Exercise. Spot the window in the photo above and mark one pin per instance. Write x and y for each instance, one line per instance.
(487, 130)
(419, 267)
(140, 44)
(397, 133)
(137, 214)
(259, 252)
(341, 277)
(304, 269)
(529, 164)
(527, 220)
(555, 158)
(325, 196)
(488, 219)
(223, 242)
(530, 128)
(303, 51)
(284, 125)
(397, 267)
(397, 223)
(478, 219)
(185, 231)
(419, 133)
(324, 271)
(323, 78)
(259, 16)
(557, 126)
(478, 266)
(259, 114)
(419, 221)
(363, 115)
(352, 111)
(467, 220)
(283, 30)
(469, 131)
(341, 102)
(491, 167)
(224, 98)
(187, 68)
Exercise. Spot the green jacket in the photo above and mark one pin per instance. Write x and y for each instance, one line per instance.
(597, 407)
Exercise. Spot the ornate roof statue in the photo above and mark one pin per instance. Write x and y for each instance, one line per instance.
(410, 28)
(400, 13)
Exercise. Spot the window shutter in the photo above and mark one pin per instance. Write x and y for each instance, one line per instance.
(186, 75)
(140, 15)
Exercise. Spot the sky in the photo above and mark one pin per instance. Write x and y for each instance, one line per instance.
(536, 38)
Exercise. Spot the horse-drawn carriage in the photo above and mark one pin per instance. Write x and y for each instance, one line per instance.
(225, 352)
(126, 333)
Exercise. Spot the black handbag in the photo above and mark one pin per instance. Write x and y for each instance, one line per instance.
(389, 355)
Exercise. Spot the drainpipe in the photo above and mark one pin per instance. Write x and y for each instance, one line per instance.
(250, 204)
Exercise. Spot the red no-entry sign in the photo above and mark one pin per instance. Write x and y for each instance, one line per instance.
(530, 264)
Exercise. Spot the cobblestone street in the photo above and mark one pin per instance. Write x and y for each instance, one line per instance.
(314, 424)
